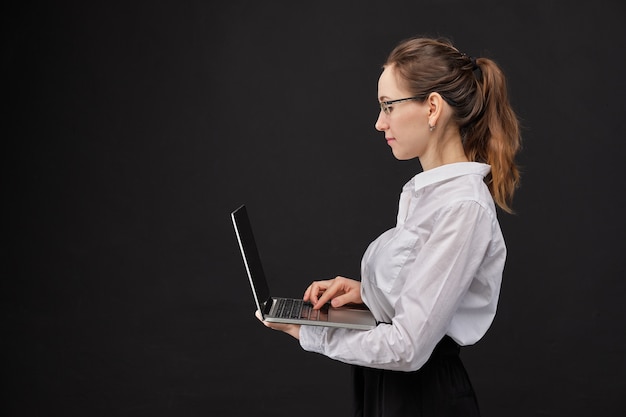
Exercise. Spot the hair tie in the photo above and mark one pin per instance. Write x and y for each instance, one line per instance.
(474, 65)
(471, 59)
(478, 73)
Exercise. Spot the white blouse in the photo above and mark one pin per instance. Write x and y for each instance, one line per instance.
(437, 272)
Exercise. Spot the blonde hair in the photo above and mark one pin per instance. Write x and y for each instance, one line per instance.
(477, 92)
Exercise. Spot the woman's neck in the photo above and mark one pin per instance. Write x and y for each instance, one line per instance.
(447, 149)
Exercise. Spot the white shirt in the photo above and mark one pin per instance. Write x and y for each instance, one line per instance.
(437, 272)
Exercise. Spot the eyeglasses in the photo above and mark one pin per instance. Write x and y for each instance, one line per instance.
(385, 106)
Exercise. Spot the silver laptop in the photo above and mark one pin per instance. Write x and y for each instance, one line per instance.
(284, 309)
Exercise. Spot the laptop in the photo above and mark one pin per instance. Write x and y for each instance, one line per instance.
(285, 309)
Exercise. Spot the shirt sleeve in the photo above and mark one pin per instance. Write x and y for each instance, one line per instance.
(433, 281)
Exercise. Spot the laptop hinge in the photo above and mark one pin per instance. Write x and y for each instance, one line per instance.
(267, 306)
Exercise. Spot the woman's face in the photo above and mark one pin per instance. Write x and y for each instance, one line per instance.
(406, 125)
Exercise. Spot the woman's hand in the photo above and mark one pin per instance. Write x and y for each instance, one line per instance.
(339, 291)
(290, 329)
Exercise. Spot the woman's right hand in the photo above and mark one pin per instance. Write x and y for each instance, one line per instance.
(339, 291)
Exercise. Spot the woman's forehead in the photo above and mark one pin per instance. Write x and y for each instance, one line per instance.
(389, 84)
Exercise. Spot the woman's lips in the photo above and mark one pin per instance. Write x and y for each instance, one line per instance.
(389, 140)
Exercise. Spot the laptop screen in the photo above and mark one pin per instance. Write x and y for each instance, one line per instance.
(250, 255)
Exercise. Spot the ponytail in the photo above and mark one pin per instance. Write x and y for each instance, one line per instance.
(494, 136)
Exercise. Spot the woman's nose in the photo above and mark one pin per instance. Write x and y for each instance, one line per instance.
(381, 122)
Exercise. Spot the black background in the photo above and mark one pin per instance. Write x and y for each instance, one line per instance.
(133, 129)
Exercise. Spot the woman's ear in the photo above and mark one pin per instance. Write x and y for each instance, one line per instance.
(435, 108)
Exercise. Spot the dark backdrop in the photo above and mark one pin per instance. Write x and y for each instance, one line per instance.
(132, 129)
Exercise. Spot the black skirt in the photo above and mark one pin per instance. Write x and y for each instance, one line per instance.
(441, 388)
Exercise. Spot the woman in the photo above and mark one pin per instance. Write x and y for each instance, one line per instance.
(433, 280)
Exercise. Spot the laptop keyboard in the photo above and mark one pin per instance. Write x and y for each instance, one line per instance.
(291, 308)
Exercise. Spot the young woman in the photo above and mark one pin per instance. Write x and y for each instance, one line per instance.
(433, 280)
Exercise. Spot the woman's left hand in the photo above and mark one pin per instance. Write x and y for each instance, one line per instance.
(290, 329)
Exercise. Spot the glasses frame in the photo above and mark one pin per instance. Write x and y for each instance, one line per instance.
(385, 106)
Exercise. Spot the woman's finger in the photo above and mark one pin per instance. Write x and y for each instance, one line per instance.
(314, 290)
(331, 292)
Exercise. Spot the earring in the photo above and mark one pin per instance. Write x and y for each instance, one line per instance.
(431, 128)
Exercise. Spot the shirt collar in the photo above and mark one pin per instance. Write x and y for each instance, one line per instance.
(449, 171)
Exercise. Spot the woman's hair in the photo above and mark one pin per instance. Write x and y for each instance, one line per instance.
(476, 91)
